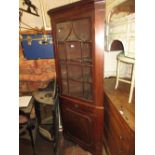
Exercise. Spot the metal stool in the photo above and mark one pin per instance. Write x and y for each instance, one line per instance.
(45, 104)
(121, 58)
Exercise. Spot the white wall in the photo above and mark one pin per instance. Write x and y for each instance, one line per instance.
(110, 57)
(37, 22)
(110, 64)
(31, 20)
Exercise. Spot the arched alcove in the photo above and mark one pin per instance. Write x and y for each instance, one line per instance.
(117, 46)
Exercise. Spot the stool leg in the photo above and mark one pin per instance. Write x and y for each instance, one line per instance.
(132, 84)
(117, 74)
(31, 135)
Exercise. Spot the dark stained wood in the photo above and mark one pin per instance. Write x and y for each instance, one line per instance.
(119, 98)
(119, 120)
(80, 122)
(98, 54)
(75, 5)
(81, 25)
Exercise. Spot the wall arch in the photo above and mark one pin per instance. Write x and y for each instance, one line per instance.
(116, 45)
(118, 42)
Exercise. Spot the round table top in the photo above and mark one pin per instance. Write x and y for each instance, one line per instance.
(44, 96)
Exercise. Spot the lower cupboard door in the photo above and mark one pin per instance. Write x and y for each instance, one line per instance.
(78, 126)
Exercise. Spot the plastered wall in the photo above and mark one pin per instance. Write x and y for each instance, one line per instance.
(43, 6)
(117, 30)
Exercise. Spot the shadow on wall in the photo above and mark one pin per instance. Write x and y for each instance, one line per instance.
(117, 46)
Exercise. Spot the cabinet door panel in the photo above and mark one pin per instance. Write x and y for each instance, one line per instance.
(83, 32)
(87, 53)
(63, 30)
(75, 89)
(64, 87)
(77, 125)
(73, 51)
(61, 51)
(63, 70)
(74, 75)
(87, 74)
(88, 91)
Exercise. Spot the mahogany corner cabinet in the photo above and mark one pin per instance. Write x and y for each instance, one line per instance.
(78, 34)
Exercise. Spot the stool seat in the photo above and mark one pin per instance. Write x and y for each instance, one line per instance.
(125, 59)
(45, 97)
(122, 58)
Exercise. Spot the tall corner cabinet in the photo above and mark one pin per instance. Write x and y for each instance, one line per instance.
(78, 35)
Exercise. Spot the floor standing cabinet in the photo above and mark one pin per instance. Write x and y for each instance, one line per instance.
(78, 36)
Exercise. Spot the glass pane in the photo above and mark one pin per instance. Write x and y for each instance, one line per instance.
(75, 88)
(72, 36)
(75, 72)
(73, 51)
(86, 53)
(64, 87)
(63, 29)
(62, 51)
(87, 91)
(63, 71)
(82, 29)
(87, 74)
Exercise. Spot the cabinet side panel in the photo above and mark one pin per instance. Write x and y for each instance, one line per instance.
(99, 26)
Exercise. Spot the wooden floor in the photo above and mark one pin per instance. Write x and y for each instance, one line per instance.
(42, 147)
(45, 147)
(69, 148)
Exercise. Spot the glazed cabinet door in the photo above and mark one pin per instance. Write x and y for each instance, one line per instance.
(75, 58)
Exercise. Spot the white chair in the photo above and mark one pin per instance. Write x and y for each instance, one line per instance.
(121, 58)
